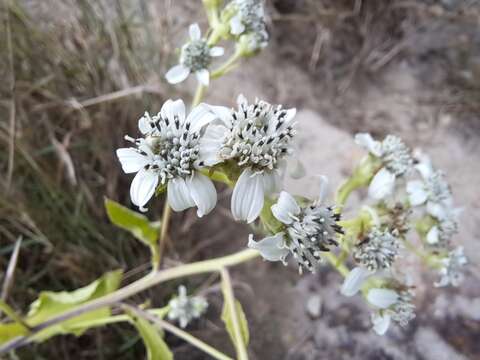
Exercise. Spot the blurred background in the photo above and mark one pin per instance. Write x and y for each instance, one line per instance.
(77, 75)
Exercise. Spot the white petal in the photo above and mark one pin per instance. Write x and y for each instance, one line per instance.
(432, 235)
(416, 192)
(172, 109)
(381, 323)
(436, 210)
(285, 206)
(322, 194)
(202, 192)
(210, 144)
(222, 113)
(203, 77)
(194, 32)
(366, 141)
(272, 182)
(354, 280)
(178, 194)
(131, 160)
(297, 170)
(248, 196)
(199, 117)
(382, 298)
(143, 187)
(177, 74)
(144, 124)
(236, 26)
(217, 51)
(381, 185)
(272, 248)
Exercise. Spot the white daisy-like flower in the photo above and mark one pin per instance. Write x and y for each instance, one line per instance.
(195, 57)
(451, 268)
(168, 154)
(184, 308)
(307, 231)
(433, 190)
(256, 138)
(376, 252)
(395, 158)
(392, 305)
(249, 20)
(445, 228)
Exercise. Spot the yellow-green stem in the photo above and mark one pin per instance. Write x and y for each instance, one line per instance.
(229, 299)
(167, 211)
(227, 66)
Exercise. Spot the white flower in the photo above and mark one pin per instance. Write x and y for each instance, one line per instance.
(249, 21)
(354, 280)
(257, 138)
(433, 190)
(446, 226)
(451, 268)
(185, 308)
(307, 231)
(395, 158)
(168, 155)
(195, 57)
(392, 305)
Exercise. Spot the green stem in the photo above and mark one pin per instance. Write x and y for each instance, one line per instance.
(162, 324)
(227, 66)
(198, 95)
(345, 190)
(336, 263)
(229, 299)
(140, 285)
(167, 211)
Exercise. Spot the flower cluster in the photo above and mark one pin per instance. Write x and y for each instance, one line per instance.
(307, 231)
(184, 308)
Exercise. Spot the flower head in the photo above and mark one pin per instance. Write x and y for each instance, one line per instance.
(196, 56)
(395, 158)
(184, 308)
(168, 154)
(249, 21)
(378, 250)
(451, 268)
(445, 228)
(256, 138)
(392, 305)
(307, 232)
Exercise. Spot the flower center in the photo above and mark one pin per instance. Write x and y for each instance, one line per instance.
(196, 55)
(396, 155)
(312, 232)
(259, 136)
(174, 146)
(437, 187)
(377, 251)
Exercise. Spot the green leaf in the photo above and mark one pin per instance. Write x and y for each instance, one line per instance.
(51, 303)
(137, 224)
(227, 319)
(157, 349)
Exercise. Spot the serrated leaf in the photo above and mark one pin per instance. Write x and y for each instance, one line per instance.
(227, 319)
(51, 303)
(137, 224)
(156, 347)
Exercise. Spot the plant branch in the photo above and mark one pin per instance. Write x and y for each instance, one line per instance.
(230, 300)
(162, 324)
(140, 285)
